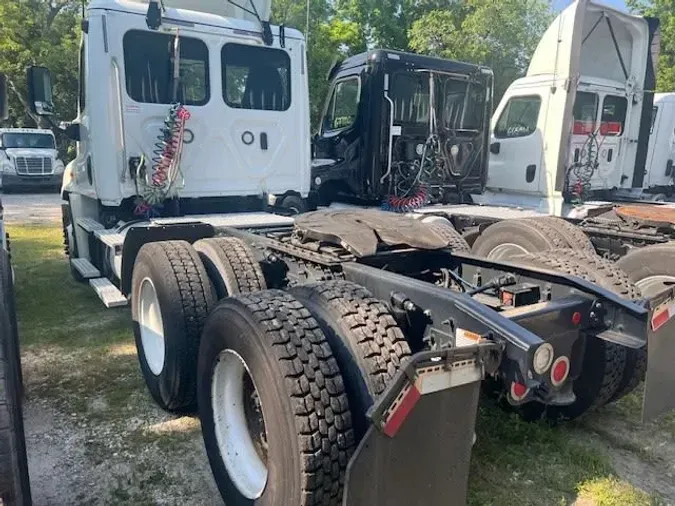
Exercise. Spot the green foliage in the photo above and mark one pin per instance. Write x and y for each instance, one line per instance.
(502, 35)
(665, 11)
(40, 32)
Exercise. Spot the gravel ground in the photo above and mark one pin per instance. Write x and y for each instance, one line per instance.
(32, 208)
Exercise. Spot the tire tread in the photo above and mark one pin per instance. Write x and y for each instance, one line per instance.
(314, 383)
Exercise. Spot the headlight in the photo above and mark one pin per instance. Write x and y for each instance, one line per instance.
(8, 167)
(59, 167)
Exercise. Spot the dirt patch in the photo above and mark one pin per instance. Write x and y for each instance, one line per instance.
(87, 444)
(642, 454)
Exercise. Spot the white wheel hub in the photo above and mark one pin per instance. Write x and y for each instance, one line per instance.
(506, 250)
(151, 326)
(241, 438)
(652, 285)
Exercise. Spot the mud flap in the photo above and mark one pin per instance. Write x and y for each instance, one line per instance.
(660, 379)
(418, 447)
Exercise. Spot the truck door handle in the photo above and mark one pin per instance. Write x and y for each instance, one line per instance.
(530, 172)
(495, 148)
(610, 155)
(263, 141)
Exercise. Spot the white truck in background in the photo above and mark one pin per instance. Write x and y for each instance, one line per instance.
(660, 173)
(543, 159)
(29, 159)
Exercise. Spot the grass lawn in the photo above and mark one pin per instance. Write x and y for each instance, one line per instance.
(80, 361)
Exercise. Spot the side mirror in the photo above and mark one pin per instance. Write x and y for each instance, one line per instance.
(39, 81)
(4, 107)
(495, 147)
(73, 132)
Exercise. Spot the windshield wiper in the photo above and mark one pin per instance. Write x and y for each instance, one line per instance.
(267, 36)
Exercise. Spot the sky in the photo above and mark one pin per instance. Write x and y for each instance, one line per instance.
(621, 4)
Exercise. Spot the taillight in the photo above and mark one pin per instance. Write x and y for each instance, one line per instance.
(610, 128)
(560, 371)
(518, 391)
(584, 127)
(543, 358)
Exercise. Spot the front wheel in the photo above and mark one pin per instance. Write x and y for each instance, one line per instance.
(275, 418)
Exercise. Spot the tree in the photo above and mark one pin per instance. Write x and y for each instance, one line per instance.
(502, 35)
(40, 32)
(665, 11)
(330, 37)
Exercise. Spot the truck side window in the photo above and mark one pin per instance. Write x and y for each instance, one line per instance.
(256, 77)
(655, 111)
(343, 105)
(585, 113)
(148, 65)
(519, 117)
(613, 115)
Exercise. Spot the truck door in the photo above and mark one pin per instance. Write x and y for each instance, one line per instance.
(661, 156)
(517, 145)
(598, 142)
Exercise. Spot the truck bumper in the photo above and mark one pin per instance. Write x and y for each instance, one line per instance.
(13, 181)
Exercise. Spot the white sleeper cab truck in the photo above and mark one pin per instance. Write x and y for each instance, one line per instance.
(29, 159)
(577, 125)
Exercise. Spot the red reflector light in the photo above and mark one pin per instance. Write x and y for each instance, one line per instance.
(560, 371)
(402, 407)
(518, 391)
(610, 128)
(662, 315)
(576, 318)
(583, 127)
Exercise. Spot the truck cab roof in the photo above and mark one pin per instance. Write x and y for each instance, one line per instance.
(409, 61)
(26, 131)
(186, 13)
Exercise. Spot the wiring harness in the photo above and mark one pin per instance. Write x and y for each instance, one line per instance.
(580, 174)
(164, 178)
(445, 156)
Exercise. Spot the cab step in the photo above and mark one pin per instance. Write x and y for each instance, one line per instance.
(85, 268)
(110, 238)
(108, 293)
(89, 224)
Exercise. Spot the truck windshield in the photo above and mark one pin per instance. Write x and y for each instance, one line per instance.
(23, 140)
(459, 103)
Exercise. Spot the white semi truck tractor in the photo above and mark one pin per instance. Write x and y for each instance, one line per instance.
(335, 356)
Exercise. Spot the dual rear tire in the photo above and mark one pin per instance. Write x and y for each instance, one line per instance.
(509, 238)
(317, 358)
(282, 380)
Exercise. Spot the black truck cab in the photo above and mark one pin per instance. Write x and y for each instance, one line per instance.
(404, 130)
